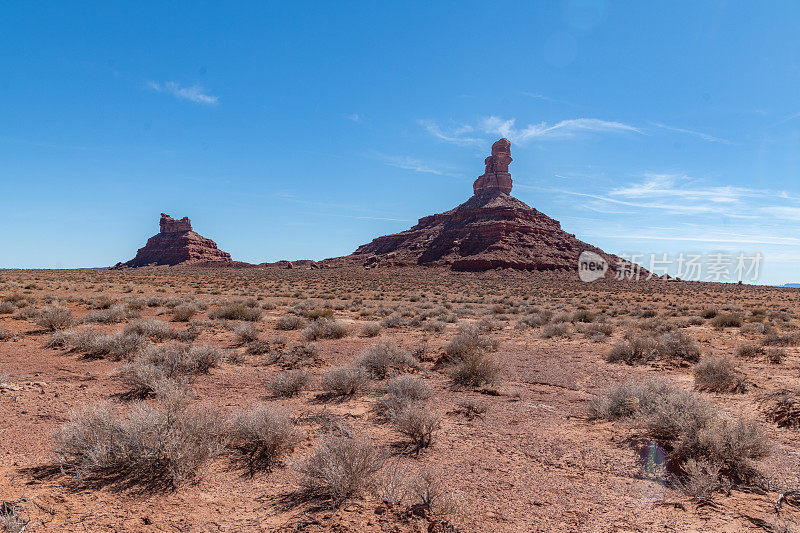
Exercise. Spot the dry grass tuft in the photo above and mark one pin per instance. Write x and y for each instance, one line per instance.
(340, 468)
(418, 423)
(783, 408)
(344, 381)
(687, 428)
(325, 329)
(475, 370)
(149, 447)
(652, 346)
(236, 311)
(262, 436)
(290, 383)
(385, 357)
(718, 374)
(54, 318)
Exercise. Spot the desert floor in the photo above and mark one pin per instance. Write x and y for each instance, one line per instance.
(534, 460)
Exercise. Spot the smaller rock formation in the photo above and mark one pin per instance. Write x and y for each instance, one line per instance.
(177, 244)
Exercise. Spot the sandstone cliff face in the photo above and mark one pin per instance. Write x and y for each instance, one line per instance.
(177, 244)
(490, 230)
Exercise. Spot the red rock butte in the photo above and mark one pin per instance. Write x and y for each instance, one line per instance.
(490, 230)
(177, 244)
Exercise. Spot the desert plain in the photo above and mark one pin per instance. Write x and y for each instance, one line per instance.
(398, 399)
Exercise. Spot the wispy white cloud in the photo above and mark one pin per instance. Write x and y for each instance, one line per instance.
(657, 185)
(195, 93)
(561, 130)
(701, 135)
(464, 134)
(537, 96)
(355, 117)
(673, 207)
(455, 134)
(409, 163)
(784, 212)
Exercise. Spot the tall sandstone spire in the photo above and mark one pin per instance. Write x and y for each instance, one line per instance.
(490, 230)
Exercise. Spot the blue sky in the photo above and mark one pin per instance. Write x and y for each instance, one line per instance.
(292, 130)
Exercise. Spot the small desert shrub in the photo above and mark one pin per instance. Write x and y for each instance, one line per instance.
(727, 320)
(401, 392)
(340, 468)
(694, 321)
(259, 347)
(144, 379)
(245, 333)
(583, 315)
(117, 313)
(653, 326)
(201, 359)
(647, 347)
(54, 318)
(6, 308)
(151, 328)
(472, 409)
(475, 370)
(136, 304)
(628, 398)
(116, 346)
(94, 343)
(687, 427)
(423, 492)
(539, 318)
(383, 357)
(776, 355)
(709, 312)
(299, 355)
(317, 313)
(372, 329)
(344, 381)
(325, 329)
(103, 302)
(755, 328)
(395, 320)
(558, 329)
(152, 447)
(488, 324)
(262, 436)
(11, 518)
(434, 326)
(783, 408)
(717, 374)
(289, 322)
(561, 318)
(418, 424)
(6, 335)
(749, 351)
(700, 480)
(596, 331)
(167, 366)
(289, 383)
(183, 313)
(236, 311)
(467, 342)
(781, 339)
